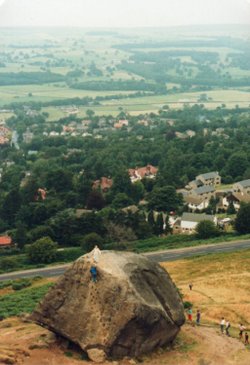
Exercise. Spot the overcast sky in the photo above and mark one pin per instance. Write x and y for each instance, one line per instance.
(122, 13)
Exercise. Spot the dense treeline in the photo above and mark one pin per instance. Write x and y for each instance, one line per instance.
(217, 42)
(126, 85)
(167, 57)
(26, 78)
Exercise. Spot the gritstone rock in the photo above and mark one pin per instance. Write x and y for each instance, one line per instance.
(131, 309)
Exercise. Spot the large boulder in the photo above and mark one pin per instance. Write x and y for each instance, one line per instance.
(132, 308)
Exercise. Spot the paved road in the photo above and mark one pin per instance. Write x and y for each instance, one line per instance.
(160, 256)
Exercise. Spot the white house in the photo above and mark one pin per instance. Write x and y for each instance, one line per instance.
(188, 222)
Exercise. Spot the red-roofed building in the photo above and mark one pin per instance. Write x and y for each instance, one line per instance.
(5, 241)
(140, 173)
(104, 183)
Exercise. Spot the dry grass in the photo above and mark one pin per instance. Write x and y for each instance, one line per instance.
(221, 285)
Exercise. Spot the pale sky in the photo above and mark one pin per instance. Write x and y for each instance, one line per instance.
(122, 13)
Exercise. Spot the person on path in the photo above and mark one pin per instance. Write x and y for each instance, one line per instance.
(198, 317)
(246, 339)
(93, 273)
(228, 325)
(190, 286)
(222, 324)
(190, 314)
(242, 329)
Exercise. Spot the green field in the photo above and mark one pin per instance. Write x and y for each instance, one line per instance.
(148, 104)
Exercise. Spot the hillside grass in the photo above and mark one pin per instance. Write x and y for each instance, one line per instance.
(221, 286)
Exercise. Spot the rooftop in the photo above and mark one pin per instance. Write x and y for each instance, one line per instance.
(209, 175)
(192, 217)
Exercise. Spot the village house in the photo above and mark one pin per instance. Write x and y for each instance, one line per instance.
(188, 222)
(242, 187)
(205, 192)
(104, 184)
(140, 173)
(121, 123)
(196, 203)
(236, 199)
(209, 178)
(5, 241)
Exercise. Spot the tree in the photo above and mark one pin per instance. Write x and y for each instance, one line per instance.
(231, 208)
(206, 229)
(236, 164)
(95, 200)
(121, 200)
(20, 236)
(242, 221)
(168, 228)
(11, 205)
(164, 199)
(91, 240)
(151, 219)
(43, 251)
(119, 233)
(159, 224)
(122, 183)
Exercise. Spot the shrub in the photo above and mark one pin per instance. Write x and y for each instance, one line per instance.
(242, 221)
(187, 305)
(8, 263)
(206, 229)
(90, 240)
(42, 251)
(21, 284)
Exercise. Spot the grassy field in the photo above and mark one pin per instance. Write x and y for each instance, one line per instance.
(149, 104)
(221, 286)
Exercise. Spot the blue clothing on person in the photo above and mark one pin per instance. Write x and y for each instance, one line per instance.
(93, 272)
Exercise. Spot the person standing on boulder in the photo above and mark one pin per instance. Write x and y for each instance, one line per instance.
(93, 273)
(190, 286)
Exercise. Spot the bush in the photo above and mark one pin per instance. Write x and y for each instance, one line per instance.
(42, 251)
(21, 284)
(90, 240)
(8, 263)
(206, 229)
(242, 221)
(187, 305)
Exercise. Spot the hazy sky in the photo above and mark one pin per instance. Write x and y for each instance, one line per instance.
(123, 13)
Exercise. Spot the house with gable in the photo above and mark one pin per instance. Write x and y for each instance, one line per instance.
(188, 222)
(5, 241)
(140, 173)
(104, 183)
(242, 187)
(209, 178)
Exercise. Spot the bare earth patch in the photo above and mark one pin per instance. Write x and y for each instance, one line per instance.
(29, 344)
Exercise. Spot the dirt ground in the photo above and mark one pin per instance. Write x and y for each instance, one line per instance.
(29, 344)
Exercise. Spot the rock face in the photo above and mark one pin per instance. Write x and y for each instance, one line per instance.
(131, 309)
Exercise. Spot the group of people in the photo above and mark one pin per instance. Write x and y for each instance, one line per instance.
(224, 325)
(197, 317)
